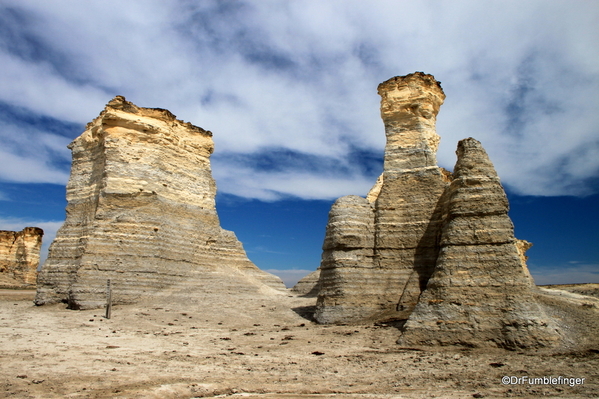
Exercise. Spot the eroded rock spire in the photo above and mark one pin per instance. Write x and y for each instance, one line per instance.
(20, 255)
(409, 108)
(394, 268)
(434, 248)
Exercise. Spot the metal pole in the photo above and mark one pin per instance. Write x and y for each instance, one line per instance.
(108, 299)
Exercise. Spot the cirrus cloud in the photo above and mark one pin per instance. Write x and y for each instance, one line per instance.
(301, 77)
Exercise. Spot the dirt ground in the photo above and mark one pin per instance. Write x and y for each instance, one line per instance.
(584, 289)
(265, 347)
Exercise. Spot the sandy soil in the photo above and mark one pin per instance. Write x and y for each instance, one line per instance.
(584, 289)
(268, 348)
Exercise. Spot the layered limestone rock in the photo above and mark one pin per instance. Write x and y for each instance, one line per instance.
(20, 254)
(429, 246)
(141, 212)
(309, 285)
(400, 250)
(480, 293)
(408, 209)
(346, 281)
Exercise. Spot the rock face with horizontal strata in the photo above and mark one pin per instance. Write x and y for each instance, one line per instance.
(347, 289)
(480, 292)
(141, 212)
(309, 285)
(434, 248)
(404, 215)
(20, 254)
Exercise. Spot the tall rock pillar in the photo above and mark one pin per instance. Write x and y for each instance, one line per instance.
(349, 283)
(404, 204)
(440, 250)
(408, 212)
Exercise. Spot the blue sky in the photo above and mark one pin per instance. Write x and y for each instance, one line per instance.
(289, 90)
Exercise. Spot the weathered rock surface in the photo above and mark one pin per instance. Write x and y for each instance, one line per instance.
(141, 212)
(435, 248)
(20, 254)
(480, 292)
(309, 285)
(403, 206)
(346, 270)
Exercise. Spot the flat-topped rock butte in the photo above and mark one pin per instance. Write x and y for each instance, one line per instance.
(20, 256)
(141, 213)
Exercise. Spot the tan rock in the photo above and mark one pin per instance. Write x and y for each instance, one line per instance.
(20, 254)
(480, 293)
(309, 285)
(348, 291)
(409, 108)
(407, 216)
(522, 246)
(141, 212)
(374, 192)
(429, 246)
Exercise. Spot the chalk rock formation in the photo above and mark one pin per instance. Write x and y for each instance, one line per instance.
(480, 292)
(309, 285)
(347, 290)
(20, 254)
(399, 240)
(435, 248)
(141, 212)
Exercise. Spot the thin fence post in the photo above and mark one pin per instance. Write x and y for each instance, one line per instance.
(108, 299)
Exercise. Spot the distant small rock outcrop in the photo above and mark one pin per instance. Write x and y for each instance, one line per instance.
(309, 285)
(429, 246)
(141, 212)
(20, 256)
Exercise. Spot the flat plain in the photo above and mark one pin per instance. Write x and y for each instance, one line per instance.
(269, 347)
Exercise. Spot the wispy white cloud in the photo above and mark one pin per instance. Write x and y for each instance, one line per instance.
(31, 155)
(29, 170)
(522, 77)
(571, 273)
(263, 249)
(270, 186)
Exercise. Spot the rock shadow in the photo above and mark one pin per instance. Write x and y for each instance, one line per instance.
(307, 312)
(313, 293)
(395, 323)
(425, 257)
